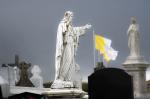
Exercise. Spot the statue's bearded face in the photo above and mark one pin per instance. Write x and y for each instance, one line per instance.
(69, 16)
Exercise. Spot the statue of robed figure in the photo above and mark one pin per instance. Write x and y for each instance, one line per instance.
(66, 69)
(133, 38)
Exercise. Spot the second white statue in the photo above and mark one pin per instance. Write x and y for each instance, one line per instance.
(67, 74)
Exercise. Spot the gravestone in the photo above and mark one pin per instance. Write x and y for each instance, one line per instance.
(20, 76)
(110, 83)
(4, 87)
(36, 78)
(24, 79)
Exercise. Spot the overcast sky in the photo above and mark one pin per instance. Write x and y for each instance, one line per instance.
(28, 28)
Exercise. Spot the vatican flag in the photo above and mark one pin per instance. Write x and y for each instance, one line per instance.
(110, 54)
(103, 45)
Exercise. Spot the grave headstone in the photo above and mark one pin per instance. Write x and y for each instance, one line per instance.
(24, 79)
(36, 78)
(110, 83)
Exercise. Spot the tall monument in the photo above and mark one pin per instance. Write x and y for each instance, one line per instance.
(67, 74)
(135, 64)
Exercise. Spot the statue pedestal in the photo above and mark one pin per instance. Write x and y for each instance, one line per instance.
(66, 93)
(52, 93)
(136, 67)
(18, 90)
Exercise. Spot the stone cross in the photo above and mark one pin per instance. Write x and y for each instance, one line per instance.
(16, 61)
(23, 67)
(24, 80)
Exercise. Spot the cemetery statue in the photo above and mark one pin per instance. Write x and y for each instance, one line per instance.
(133, 38)
(66, 47)
(36, 78)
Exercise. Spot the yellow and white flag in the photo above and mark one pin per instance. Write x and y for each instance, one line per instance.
(103, 45)
(110, 54)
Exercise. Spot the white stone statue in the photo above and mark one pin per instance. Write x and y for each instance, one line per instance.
(16, 74)
(37, 79)
(133, 38)
(66, 47)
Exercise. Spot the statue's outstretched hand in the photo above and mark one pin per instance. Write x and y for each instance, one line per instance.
(87, 26)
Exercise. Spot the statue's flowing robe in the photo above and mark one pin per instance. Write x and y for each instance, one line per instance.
(59, 47)
(66, 47)
(68, 64)
(133, 40)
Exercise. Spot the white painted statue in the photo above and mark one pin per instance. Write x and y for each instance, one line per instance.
(66, 47)
(133, 38)
(36, 79)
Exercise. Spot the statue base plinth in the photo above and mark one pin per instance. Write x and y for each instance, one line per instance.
(144, 96)
(18, 90)
(66, 93)
(136, 67)
(135, 60)
(52, 93)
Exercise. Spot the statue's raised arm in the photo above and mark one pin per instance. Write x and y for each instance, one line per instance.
(82, 29)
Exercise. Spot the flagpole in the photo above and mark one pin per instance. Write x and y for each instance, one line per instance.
(99, 57)
(94, 47)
